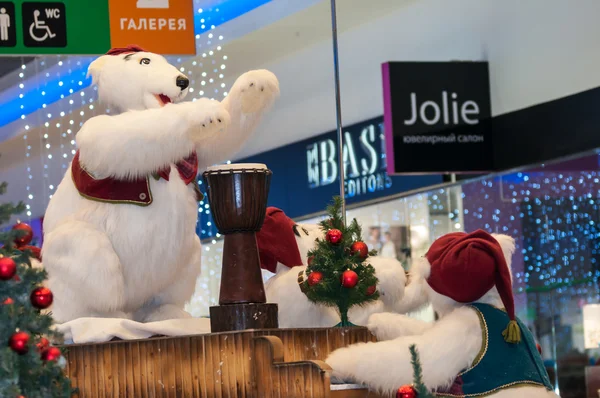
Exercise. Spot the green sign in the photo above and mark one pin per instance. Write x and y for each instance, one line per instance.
(54, 27)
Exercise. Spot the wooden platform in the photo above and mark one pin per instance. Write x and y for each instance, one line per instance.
(265, 363)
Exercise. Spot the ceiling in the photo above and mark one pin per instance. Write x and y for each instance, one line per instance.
(259, 39)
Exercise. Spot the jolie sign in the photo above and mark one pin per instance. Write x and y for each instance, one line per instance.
(437, 117)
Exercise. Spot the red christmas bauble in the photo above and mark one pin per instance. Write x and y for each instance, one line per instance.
(8, 268)
(51, 354)
(42, 344)
(406, 392)
(334, 236)
(41, 298)
(8, 301)
(349, 278)
(19, 342)
(539, 348)
(25, 239)
(314, 278)
(371, 290)
(361, 248)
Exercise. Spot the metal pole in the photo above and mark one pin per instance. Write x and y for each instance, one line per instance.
(338, 109)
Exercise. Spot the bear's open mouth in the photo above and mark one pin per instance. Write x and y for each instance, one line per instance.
(163, 99)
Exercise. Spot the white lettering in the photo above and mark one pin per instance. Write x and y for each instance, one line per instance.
(312, 161)
(429, 139)
(350, 157)
(413, 108)
(131, 25)
(52, 13)
(468, 139)
(172, 24)
(181, 23)
(468, 113)
(454, 108)
(469, 108)
(329, 169)
(123, 20)
(372, 183)
(367, 137)
(445, 107)
(436, 112)
(142, 25)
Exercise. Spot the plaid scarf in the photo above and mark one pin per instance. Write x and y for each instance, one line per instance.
(187, 168)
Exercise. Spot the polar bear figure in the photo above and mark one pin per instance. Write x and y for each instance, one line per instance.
(467, 279)
(120, 237)
(283, 247)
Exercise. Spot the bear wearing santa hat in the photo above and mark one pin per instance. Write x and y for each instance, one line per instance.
(477, 348)
(283, 247)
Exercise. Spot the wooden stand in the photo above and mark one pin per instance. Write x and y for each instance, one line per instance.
(249, 364)
(225, 318)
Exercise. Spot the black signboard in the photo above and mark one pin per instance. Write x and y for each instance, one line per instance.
(437, 117)
(44, 24)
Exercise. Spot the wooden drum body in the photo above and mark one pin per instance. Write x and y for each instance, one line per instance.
(237, 194)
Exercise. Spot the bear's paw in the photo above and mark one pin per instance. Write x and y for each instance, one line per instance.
(257, 90)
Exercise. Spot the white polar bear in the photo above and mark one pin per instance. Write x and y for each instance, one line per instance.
(283, 247)
(455, 344)
(140, 259)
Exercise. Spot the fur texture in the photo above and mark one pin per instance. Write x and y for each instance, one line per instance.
(446, 347)
(296, 310)
(126, 261)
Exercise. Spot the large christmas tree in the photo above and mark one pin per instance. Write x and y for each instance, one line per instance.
(338, 271)
(29, 366)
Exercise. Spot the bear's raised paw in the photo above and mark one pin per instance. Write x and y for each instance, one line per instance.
(257, 90)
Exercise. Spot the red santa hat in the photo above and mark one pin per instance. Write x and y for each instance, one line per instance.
(132, 48)
(277, 242)
(464, 267)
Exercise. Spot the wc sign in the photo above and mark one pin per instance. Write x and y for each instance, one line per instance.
(44, 24)
(437, 117)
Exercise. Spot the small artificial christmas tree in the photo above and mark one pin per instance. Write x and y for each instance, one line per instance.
(338, 272)
(29, 366)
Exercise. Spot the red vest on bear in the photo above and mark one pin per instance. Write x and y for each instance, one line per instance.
(133, 191)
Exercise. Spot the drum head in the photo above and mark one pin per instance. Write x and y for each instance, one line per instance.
(238, 167)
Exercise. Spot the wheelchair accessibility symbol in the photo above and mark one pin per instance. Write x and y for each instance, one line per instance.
(38, 30)
(44, 24)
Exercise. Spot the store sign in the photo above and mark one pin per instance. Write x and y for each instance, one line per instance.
(86, 27)
(364, 161)
(306, 173)
(437, 117)
(161, 26)
(54, 27)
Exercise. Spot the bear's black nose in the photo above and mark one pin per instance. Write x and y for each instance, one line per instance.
(182, 82)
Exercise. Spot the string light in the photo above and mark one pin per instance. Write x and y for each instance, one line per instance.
(26, 139)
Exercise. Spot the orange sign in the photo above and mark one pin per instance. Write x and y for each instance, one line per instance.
(160, 26)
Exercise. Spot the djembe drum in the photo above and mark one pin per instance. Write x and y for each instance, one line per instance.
(237, 194)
